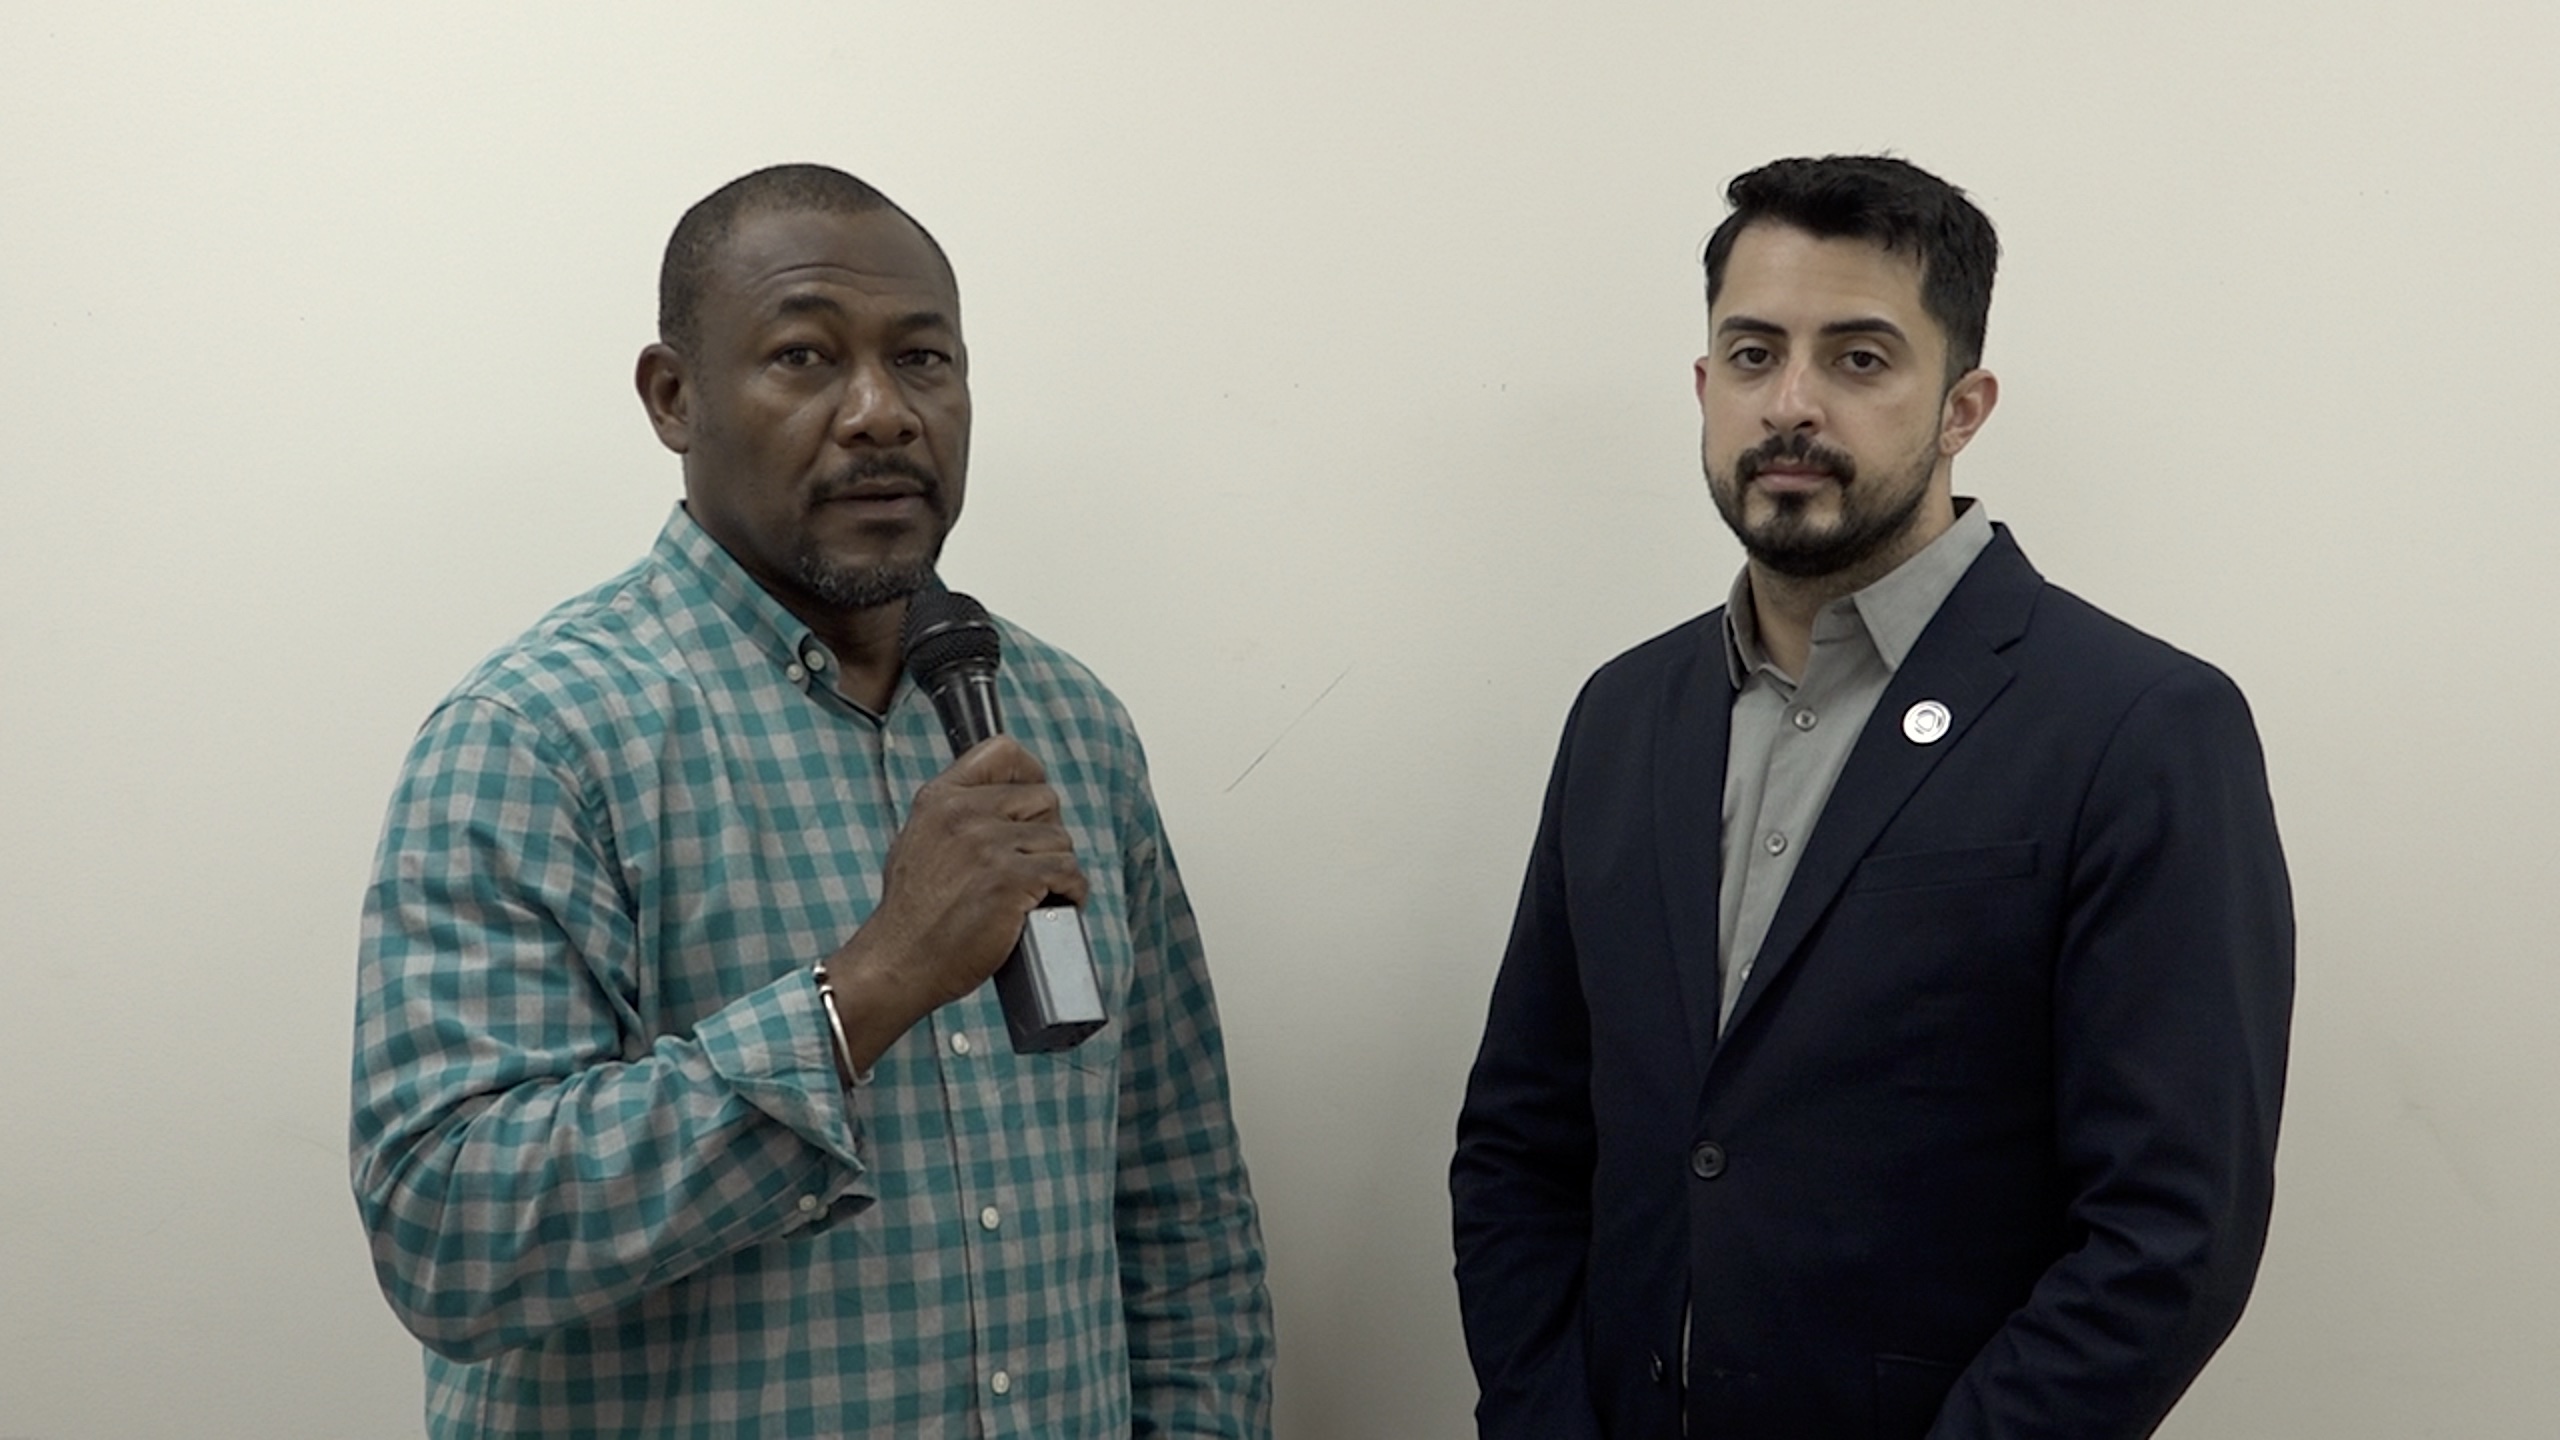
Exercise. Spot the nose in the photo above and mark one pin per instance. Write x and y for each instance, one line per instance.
(1795, 402)
(875, 410)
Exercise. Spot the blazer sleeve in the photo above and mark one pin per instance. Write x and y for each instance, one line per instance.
(1520, 1185)
(2173, 996)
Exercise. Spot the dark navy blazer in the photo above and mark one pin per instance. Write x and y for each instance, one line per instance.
(1987, 1146)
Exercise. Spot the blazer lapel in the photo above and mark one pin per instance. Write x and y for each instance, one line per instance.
(1689, 743)
(1955, 663)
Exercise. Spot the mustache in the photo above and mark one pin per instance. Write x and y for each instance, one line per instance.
(860, 475)
(1798, 451)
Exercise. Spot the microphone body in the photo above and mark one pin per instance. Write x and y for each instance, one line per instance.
(1051, 993)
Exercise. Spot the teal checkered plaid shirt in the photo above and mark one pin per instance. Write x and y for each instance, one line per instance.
(599, 1144)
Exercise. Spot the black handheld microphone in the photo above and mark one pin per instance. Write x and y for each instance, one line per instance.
(1052, 996)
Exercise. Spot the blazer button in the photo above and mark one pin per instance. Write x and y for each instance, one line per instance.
(1657, 1367)
(1707, 1160)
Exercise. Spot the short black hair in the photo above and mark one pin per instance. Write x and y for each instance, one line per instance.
(686, 269)
(1897, 205)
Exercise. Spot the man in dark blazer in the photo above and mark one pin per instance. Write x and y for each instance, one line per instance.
(1891, 1036)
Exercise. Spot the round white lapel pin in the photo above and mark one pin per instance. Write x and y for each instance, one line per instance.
(1926, 723)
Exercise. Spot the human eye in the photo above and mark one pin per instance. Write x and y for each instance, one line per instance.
(923, 357)
(1864, 360)
(1750, 355)
(799, 356)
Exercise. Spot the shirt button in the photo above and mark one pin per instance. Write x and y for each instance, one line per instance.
(796, 673)
(1804, 719)
(808, 1204)
(816, 658)
(1776, 844)
(989, 1218)
(1001, 1383)
(960, 1044)
(1707, 1161)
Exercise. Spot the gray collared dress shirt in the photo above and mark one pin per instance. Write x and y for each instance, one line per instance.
(1791, 735)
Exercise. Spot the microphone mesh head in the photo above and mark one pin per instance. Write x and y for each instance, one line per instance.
(944, 629)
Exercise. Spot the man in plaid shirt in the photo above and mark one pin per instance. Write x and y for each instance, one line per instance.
(622, 1172)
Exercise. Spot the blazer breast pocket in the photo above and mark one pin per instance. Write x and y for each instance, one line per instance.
(1967, 865)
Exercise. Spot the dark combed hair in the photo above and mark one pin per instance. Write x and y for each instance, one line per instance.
(691, 250)
(1893, 203)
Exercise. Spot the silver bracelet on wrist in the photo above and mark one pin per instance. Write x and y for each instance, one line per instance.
(846, 1074)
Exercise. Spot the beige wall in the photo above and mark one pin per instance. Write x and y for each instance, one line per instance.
(1324, 349)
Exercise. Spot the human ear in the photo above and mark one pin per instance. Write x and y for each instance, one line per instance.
(1969, 402)
(665, 395)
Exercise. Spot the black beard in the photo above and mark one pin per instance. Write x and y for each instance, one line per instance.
(863, 587)
(867, 587)
(1787, 548)
(1784, 545)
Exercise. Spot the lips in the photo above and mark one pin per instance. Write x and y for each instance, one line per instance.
(883, 483)
(1786, 483)
(1794, 463)
(874, 494)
